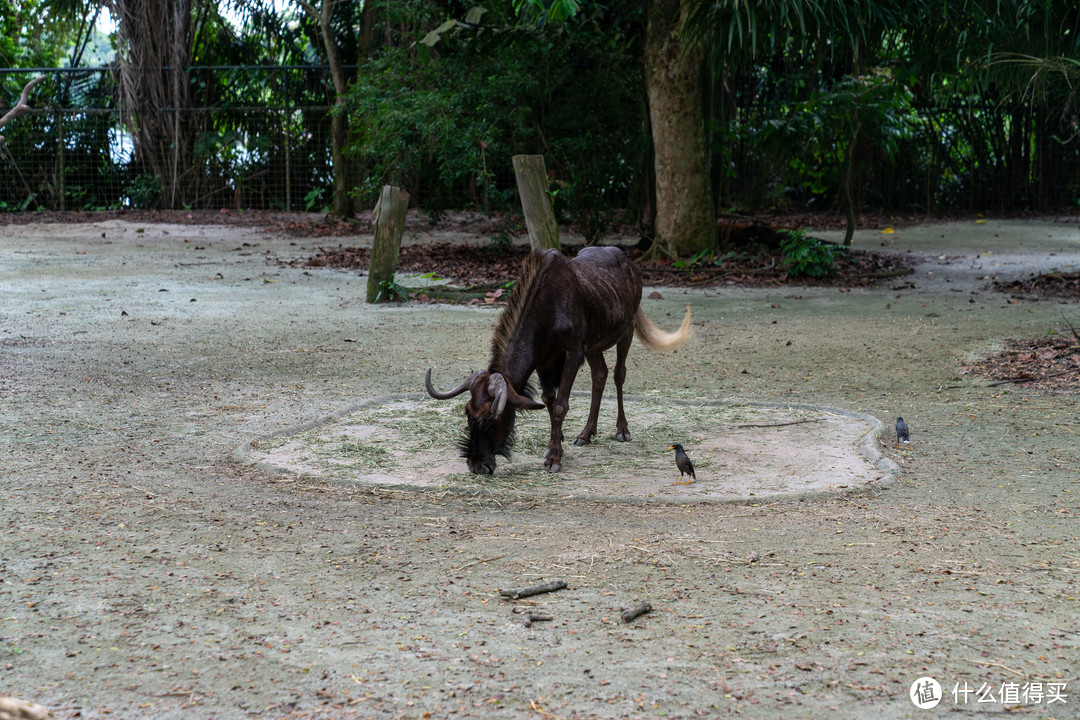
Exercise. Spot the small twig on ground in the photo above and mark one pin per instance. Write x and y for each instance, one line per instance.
(533, 590)
(538, 708)
(477, 562)
(1076, 335)
(531, 617)
(995, 664)
(630, 614)
(769, 425)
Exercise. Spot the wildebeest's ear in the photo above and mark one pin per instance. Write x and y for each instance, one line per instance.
(523, 403)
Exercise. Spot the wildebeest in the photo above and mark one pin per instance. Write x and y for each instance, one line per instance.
(562, 312)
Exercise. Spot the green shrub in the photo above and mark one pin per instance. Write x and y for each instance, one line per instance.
(807, 256)
(445, 123)
(143, 191)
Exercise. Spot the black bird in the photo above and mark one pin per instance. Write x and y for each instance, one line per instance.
(903, 435)
(685, 466)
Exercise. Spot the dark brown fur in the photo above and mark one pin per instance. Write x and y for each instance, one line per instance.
(561, 314)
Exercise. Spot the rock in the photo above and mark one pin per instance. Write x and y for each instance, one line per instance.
(15, 709)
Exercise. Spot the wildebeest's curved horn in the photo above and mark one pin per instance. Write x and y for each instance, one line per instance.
(452, 393)
(497, 387)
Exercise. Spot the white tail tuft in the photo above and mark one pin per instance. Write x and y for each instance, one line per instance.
(656, 338)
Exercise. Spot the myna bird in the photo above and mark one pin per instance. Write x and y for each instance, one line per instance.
(685, 466)
(903, 435)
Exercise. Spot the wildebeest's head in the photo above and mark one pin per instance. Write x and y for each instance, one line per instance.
(490, 414)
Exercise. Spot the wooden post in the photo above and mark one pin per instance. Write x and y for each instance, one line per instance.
(389, 226)
(532, 186)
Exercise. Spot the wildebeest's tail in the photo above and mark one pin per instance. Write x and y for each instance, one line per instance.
(656, 338)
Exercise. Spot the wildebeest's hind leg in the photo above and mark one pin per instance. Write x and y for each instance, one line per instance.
(622, 430)
(599, 369)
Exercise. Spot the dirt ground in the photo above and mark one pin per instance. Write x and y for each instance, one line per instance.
(146, 574)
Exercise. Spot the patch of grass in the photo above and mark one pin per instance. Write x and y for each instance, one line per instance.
(357, 454)
(420, 428)
(431, 430)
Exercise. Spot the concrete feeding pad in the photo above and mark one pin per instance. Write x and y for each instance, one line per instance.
(741, 451)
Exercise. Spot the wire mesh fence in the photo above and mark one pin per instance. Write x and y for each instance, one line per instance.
(259, 137)
(255, 138)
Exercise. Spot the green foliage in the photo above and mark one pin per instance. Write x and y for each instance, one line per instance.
(315, 198)
(807, 256)
(501, 239)
(144, 191)
(391, 291)
(34, 33)
(905, 106)
(445, 125)
(812, 140)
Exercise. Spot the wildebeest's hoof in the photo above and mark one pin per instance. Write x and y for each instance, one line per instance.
(553, 467)
(623, 436)
(581, 441)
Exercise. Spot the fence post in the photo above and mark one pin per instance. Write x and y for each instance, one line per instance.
(532, 183)
(288, 165)
(61, 181)
(288, 147)
(389, 226)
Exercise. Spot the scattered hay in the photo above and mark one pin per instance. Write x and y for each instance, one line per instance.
(739, 451)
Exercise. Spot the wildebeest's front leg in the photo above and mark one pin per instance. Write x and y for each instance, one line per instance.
(558, 410)
(549, 388)
(622, 430)
(599, 369)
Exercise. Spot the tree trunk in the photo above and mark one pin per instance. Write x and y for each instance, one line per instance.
(389, 226)
(155, 46)
(685, 221)
(847, 189)
(343, 205)
(532, 183)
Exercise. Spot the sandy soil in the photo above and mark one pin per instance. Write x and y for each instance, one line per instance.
(146, 574)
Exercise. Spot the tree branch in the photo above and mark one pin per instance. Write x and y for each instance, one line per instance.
(23, 106)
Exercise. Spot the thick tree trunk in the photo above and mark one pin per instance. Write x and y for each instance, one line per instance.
(532, 184)
(155, 40)
(685, 221)
(389, 226)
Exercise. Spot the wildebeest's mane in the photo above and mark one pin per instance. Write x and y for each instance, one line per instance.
(515, 312)
(516, 304)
